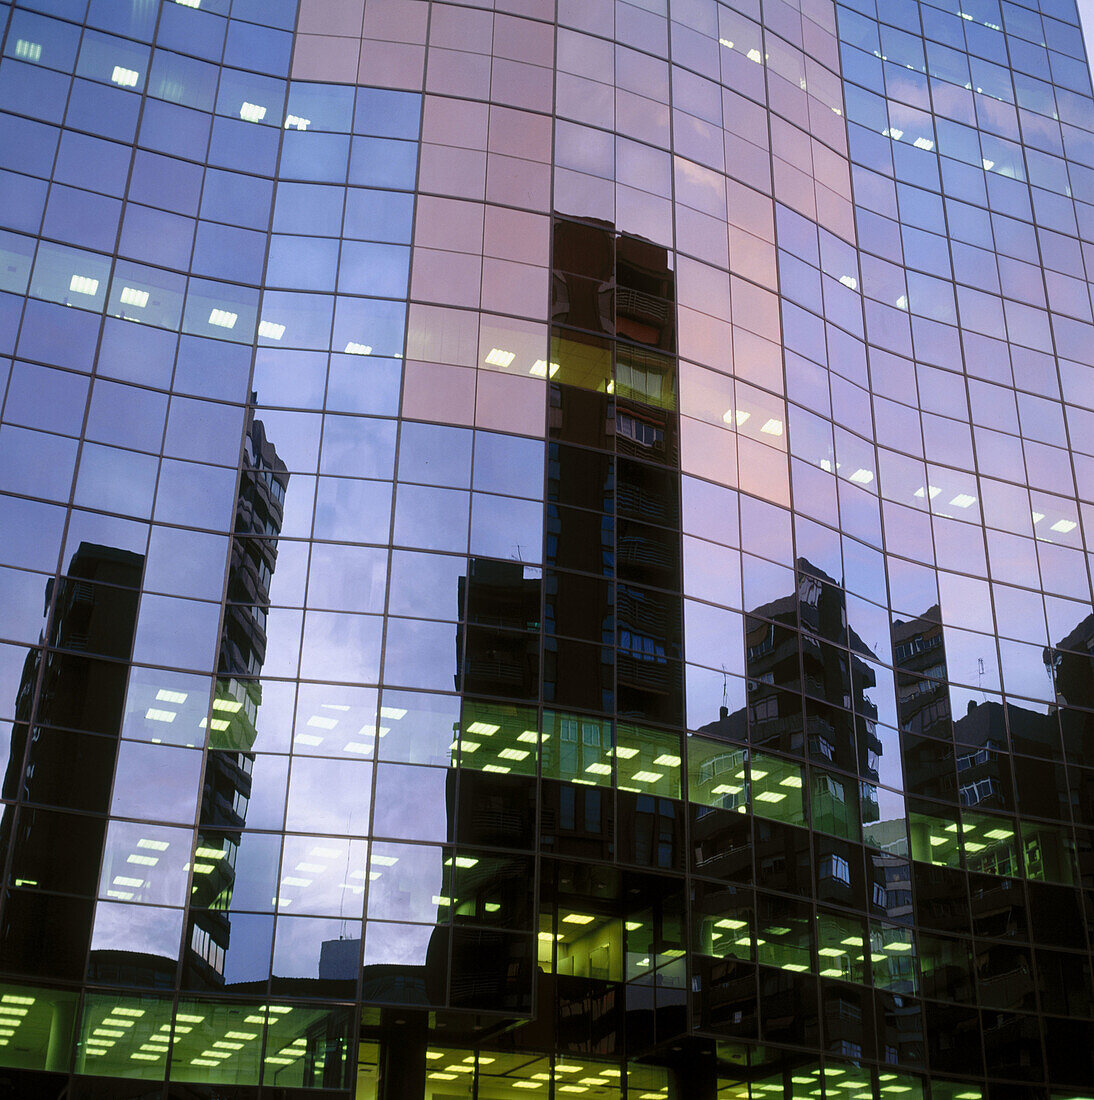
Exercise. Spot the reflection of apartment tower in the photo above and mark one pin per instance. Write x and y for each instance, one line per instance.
(498, 650)
(923, 704)
(258, 518)
(807, 679)
(613, 483)
(1072, 665)
(63, 755)
(838, 726)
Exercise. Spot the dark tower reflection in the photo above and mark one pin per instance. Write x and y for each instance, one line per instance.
(63, 757)
(235, 709)
(500, 643)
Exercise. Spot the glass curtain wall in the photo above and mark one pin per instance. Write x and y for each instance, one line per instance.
(560, 565)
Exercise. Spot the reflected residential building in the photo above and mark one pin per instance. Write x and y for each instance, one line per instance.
(808, 679)
(497, 651)
(236, 707)
(755, 336)
(62, 760)
(613, 492)
(923, 706)
(1071, 664)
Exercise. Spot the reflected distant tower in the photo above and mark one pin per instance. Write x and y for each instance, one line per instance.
(260, 510)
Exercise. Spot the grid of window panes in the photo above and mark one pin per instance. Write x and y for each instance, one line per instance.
(562, 510)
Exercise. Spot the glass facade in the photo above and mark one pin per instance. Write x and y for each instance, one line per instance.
(544, 550)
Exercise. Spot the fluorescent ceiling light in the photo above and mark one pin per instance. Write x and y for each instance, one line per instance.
(540, 369)
(923, 143)
(773, 427)
(735, 417)
(358, 349)
(130, 296)
(483, 729)
(223, 318)
(849, 281)
(963, 500)
(83, 284)
(127, 78)
(252, 112)
(497, 357)
(271, 330)
(862, 477)
(295, 122)
(1063, 526)
(31, 51)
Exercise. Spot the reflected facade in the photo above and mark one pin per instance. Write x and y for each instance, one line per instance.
(544, 549)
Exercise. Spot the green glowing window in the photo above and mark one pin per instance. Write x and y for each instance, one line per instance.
(724, 925)
(577, 749)
(841, 947)
(935, 839)
(36, 1030)
(306, 1047)
(124, 1036)
(893, 956)
(805, 1082)
(219, 1043)
(991, 844)
(498, 738)
(368, 1071)
(777, 789)
(648, 761)
(716, 774)
(646, 376)
(582, 361)
(504, 1073)
(901, 1086)
(582, 944)
(649, 1082)
(784, 933)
